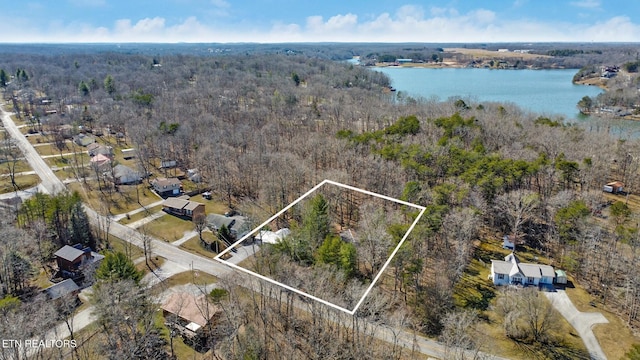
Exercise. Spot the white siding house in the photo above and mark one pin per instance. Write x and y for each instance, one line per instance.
(512, 272)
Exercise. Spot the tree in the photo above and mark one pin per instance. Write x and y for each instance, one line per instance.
(127, 321)
(517, 207)
(83, 88)
(200, 223)
(458, 335)
(117, 266)
(109, 85)
(527, 315)
(3, 78)
(585, 105)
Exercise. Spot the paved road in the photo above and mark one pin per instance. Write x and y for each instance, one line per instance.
(50, 183)
(581, 321)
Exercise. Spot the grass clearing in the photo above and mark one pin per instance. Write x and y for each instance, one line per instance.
(20, 166)
(23, 182)
(119, 245)
(193, 245)
(122, 201)
(169, 228)
(212, 206)
(140, 215)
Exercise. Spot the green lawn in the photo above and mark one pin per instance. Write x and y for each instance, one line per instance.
(168, 228)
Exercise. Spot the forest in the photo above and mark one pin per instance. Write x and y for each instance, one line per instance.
(264, 127)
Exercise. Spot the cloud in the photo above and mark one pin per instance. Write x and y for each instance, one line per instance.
(405, 24)
(591, 4)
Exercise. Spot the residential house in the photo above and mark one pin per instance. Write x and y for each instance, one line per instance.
(512, 272)
(123, 175)
(73, 258)
(101, 163)
(66, 287)
(83, 139)
(270, 237)
(190, 315)
(95, 149)
(183, 207)
(166, 186)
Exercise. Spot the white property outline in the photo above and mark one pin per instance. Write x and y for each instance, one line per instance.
(300, 292)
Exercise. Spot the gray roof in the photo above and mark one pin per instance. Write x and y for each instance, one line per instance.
(501, 267)
(68, 253)
(61, 289)
(216, 221)
(122, 170)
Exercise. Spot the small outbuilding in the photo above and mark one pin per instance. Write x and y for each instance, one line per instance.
(561, 277)
(614, 187)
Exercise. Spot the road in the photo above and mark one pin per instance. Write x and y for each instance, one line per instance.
(53, 185)
(50, 182)
(581, 321)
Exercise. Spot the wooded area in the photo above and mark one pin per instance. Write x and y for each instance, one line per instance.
(262, 129)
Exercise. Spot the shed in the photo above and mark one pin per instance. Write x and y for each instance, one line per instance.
(614, 187)
(561, 277)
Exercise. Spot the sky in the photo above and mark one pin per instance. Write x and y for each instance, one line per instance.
(276, 21)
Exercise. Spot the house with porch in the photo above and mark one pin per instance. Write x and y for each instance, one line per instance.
(512, 272)
(190, 315)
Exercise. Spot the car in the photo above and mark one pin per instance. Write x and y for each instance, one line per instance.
(231, 212)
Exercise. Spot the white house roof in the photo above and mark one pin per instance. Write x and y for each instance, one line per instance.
(271, 237)
(513, 266)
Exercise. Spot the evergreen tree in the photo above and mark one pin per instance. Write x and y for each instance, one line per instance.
(3, 78)
(117, 266)
(109, 85)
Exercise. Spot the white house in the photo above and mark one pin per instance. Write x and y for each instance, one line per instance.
(270, 237)
(512, 272)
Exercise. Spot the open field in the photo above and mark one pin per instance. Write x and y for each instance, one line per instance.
(490, 54)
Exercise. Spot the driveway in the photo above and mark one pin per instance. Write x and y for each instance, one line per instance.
(581, 321)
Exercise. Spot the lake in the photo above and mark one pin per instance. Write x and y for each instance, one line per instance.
(548, 92)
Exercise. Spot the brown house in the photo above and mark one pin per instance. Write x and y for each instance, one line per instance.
(183, 207)
(73, 258)
(191, 315)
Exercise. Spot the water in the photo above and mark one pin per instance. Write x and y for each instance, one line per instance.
(548, 92)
